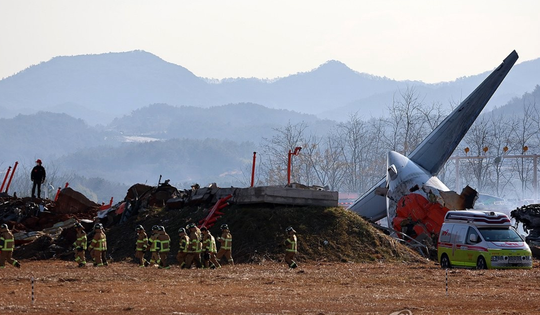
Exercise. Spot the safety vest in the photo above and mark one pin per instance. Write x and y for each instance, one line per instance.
(100, 243)
(209, 243)
(142, 242)
(7, 242)
(291, 244)
(81, 241)
(226, 241)
(195, 245)
(165, 241)
(184, 240)
(154, 243)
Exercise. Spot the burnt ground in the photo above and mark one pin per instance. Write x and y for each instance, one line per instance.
(268, 288)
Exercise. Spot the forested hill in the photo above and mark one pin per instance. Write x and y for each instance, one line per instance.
(238, 122)
(519, 105)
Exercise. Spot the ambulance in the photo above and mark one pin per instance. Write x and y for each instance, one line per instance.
(481, 240)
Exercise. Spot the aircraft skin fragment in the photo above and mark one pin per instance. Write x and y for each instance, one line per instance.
(410, 178)
(433, 152)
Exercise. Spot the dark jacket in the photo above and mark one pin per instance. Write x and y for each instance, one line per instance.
(38, 174)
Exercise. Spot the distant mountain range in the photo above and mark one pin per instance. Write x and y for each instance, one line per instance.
(100, 88)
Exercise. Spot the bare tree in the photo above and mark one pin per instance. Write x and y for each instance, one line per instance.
(407, 121)
(524, 133)
(324, 159)
(276, 149)
(477, 139)
(500, 140)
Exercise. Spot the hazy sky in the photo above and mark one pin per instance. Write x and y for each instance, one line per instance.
(424, 40)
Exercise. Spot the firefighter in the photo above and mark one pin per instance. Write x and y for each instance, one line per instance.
(7, 244)
(209, 249)
(194, 247)
(225, 241)
(141, 246)
(154, 246)
(165, 248)
(182, 249)
(291, 247)
(80, 245)
(98, 246)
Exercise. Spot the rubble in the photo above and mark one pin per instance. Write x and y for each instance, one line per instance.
(71, 201)
(529, 216)
(43, 228)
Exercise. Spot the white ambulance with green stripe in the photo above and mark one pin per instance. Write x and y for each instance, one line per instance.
(482, 240)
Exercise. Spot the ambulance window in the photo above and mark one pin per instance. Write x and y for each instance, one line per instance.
(460, 234)
(473, 232)
(446, 233)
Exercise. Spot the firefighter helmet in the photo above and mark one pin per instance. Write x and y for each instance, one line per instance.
(98, 226)
(155, 228)
(78, 225)
(191, 225)
(181, 230)
(3, 226)
(139, 228)
(224, 227)
(290, 229)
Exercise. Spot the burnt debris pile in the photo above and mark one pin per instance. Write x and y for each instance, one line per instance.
(529, 215)
(44, 228)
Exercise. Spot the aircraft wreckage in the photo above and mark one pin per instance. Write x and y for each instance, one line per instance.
(411, 197)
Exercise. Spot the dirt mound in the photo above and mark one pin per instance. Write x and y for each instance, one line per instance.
(324, 234)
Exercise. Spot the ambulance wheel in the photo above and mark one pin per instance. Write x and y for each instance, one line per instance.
(481, 263)
(445, 262)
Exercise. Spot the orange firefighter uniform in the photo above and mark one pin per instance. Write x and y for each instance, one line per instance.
(225, 240)
(209, 249)
(98, 246)
(183, 247)
(291, 247)
(80, 245)
(194, 246)
(141, 246)
(7, 244)
(154, 246)
(165, 242)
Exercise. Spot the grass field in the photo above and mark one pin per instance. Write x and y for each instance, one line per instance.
(268, 288)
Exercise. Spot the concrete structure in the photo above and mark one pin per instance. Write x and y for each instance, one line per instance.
(282, 195)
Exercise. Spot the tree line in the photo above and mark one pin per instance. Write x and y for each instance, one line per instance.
(351, 158)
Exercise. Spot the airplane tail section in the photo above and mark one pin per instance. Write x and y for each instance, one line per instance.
(433, 152)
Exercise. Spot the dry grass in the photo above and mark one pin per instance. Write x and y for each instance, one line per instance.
(268, 288)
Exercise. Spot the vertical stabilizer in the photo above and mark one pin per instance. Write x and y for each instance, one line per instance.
(437, 147)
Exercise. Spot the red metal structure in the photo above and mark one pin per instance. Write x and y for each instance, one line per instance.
(296, 152)
(58, 192)
(104, 206)
(5, 178)
(253, 169)
(215, 214)
(11, 177)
